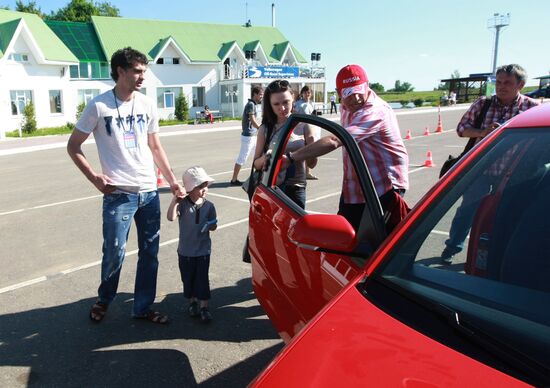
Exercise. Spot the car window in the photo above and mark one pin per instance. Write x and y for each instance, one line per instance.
(500, 279)
(322, 195)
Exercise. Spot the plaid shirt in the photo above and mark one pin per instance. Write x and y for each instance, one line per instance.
(497, 113)
(374, 127)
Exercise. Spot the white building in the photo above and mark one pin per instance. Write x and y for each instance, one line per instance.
(58, 65)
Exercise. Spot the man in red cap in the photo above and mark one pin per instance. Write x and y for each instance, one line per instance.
(372, 123)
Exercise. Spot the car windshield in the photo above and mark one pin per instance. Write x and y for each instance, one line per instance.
(493, 227)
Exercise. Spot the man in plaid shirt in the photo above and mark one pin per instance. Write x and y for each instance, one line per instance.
(373, 125)
(507, 103)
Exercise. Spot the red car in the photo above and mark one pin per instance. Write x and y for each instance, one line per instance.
(360, 308)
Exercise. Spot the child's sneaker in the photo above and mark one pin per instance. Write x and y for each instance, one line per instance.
(205, 315)
(194, 309)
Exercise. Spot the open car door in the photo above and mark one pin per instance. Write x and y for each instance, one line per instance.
(301, 258)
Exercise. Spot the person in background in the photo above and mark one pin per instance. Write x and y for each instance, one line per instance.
(333, 103)
(125, 127)
(208, 115)
(250, 124)
(452, 98)
(507, 103)
(304, 106)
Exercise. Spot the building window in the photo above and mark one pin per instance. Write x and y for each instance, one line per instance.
(229, 94)
(85, 95)
(83, 69)
(198, 96)
(55, 101)
(19, 57)
(73, 69)
(90, 70)
(19, 99)
(168, 61)
(317, 91)
(166, 97)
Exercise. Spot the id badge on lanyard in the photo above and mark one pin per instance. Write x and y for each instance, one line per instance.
(130, 140)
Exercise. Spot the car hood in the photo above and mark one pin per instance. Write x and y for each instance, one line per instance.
(354, 343)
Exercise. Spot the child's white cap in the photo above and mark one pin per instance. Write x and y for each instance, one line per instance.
(195, 176)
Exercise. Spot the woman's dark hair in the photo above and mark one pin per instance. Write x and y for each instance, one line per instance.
(126, 58)
(269, 118)
(304, 89)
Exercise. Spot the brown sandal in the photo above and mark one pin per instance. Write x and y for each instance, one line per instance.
(98, 311)
(154, 317)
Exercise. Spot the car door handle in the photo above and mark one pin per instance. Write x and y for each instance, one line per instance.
(258, 208)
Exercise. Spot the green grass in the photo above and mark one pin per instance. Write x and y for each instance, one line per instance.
(63, 130)
(429, 96)
(66, 129)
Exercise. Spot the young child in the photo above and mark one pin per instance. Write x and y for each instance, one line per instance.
(197, 217)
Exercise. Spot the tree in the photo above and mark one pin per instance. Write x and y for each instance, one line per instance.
(31, 7)
(182, 109)
(445, 85)
(378, 88)
(83, 10)
(402, 87)
(29, 118)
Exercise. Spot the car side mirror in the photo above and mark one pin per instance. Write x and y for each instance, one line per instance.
(327, 232)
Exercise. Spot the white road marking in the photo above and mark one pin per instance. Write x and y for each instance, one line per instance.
(228, 172)
(96, 263)
(227, 197)
(50, 204)
(129, 253)
(23, 284)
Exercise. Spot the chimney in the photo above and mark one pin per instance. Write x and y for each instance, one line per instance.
(272, 14)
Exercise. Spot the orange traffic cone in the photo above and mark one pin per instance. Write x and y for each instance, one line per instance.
(439, 123)
(409, 136)
(429, 162)
(161, 182)
(426, 131)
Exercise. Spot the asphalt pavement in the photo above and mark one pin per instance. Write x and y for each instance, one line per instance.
(50, 223)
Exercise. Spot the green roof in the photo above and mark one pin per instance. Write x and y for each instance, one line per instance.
(7, 30)
(49, 44)
(201, 42)
(80, 38)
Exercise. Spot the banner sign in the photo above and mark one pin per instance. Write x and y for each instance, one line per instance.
(273, 72)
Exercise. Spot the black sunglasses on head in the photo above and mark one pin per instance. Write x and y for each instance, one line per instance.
(278, 85)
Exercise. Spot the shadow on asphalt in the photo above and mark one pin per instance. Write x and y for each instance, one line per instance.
(63, 348)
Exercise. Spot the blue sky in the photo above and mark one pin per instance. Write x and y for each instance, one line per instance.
(418, 41)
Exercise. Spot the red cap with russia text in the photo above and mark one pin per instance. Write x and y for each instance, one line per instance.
(351, 75)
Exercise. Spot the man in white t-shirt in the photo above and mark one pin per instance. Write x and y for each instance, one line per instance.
(125, 127)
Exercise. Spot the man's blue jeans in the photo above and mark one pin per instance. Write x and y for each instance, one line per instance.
(118, 211)
(464, 216)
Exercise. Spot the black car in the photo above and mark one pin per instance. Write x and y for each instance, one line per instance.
(538, 93)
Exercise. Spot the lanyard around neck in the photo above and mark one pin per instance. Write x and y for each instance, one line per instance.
(131, 115)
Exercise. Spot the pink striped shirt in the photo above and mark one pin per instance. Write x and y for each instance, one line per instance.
(375, 129)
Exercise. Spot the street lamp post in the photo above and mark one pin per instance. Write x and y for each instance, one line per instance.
(315, 57)
(497, 22)
(231, 93)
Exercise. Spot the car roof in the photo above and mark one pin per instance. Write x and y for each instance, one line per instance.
(538, 116)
